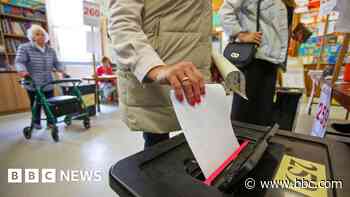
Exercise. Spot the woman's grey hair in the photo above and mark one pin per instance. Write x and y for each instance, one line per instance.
(35, 28)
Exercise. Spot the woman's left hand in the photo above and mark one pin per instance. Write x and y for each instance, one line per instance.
(250, 37)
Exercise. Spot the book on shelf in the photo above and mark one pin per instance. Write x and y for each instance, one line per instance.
(23, 12)
(6, 26)
(3, 63)
(301, 33)
(2, 48)
(12, 45)
(15, 27)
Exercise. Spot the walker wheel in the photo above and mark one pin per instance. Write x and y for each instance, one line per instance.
(27, 132)
(54, 134)
(86, 123)
(68, 121)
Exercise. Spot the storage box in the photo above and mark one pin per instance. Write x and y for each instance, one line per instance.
(64, 105)
(88, 95)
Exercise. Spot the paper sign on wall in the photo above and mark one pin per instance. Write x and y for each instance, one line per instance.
(327, 6)
(92, 13)
(93, 42)
(323, 110)
(343, 22)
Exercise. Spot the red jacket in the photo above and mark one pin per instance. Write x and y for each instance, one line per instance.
(102, 70)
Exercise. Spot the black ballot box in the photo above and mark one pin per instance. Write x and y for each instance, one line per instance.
(169, 168)
(88, 95)
(338, 136)
(286, 106)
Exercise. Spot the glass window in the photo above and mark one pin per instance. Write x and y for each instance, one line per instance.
(66, 20)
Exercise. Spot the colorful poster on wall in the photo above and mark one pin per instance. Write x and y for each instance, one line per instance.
(26, 3)
(216, 4)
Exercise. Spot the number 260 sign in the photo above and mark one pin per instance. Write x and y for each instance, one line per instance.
(323, 110)
(92, 13)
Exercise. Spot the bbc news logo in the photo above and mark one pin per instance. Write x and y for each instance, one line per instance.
(26, 175)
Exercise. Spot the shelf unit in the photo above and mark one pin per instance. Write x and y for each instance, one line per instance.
(3, 54)
(329, 49)
(14, 36)
(323, 47)
(18, 16)
(34, 5)
(13, 97)
(23, 18)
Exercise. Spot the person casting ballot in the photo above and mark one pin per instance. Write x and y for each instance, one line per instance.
(159, 42)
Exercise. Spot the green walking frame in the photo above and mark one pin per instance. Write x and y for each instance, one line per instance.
(71, 106)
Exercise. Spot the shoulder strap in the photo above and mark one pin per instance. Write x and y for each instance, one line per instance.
(258, 16)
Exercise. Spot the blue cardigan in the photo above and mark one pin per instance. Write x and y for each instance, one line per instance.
(39, 64)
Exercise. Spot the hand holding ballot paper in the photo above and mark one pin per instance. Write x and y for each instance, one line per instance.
(207, 128)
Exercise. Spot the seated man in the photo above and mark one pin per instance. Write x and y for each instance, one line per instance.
(106, 86)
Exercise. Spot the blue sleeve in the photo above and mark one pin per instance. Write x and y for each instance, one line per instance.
(22, 59)
(56, 63)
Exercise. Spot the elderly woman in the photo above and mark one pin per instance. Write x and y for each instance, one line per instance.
(238, 18)
(37, 60)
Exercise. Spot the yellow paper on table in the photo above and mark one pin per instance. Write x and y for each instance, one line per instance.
(293, 169)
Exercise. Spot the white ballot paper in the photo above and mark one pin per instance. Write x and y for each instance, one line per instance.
(207, 127)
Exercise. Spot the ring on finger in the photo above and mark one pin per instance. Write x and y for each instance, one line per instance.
(185, 79)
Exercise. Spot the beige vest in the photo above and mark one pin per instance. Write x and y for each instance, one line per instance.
(179, 30)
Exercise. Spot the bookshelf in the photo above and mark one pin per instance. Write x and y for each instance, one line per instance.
(14, 36)
(14, 22)
(322, 49)
(23, 18)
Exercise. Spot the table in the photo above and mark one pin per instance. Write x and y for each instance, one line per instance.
(341, 93)
(101, 78)
(97, 79)
(341, 90)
